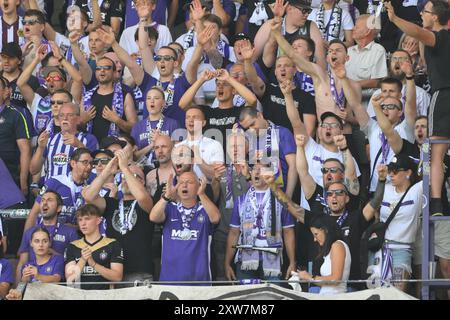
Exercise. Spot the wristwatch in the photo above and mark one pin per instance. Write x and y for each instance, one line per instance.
(166, 198)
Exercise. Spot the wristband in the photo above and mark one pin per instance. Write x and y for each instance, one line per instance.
(410, 78)
(34, 185)
(344, 149)
(166, 198)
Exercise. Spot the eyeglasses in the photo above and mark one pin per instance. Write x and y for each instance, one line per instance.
(98, 68)
(53, 78)
(66, 115)
(86, 162)
(395, 170)
(332, 170)
(58, 102)
(399, 59)
(332, 125)
(164, 58)
(337, 192)
(304, 10)
(237, 74)
(103, 161)
(390, 106)
(29, 22)
(426, 11)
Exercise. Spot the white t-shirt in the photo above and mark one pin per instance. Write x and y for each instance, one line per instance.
(373, 131)
(367, 63)
(64, 43)
(129, 44)
(422, 101)
(211, 151)
(346, 21)
(403, 227)
(326, 270)
(316, 154)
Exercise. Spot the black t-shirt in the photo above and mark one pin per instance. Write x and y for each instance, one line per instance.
(438, 61)
(108, 9)
(100, 125)
(104, 251)
(317, 202)
(16, 97)
(12, 128)
(274, 106)
(251, 6)
(137, 243)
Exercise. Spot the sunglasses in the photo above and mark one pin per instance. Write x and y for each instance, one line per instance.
(337, 192)
(103, 161)
(395, 170)
(390, 106)
(98, 68)
(29, 22)
(332, 170)
(333, 125)
(164, 58)
(53, 78)
(304, 10)
(58, 102)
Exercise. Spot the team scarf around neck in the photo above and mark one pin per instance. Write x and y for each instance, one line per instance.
(117, 105)
(256, 222)
(339, 98)
(186, 219)
(169, 92)
(333, 27)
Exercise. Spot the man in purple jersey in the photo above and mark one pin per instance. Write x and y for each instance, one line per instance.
(54, 152)
(68, 186)
(60, 234)
(187, 229)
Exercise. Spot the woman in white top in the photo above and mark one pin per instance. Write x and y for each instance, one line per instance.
(336, 255)
(401, 232)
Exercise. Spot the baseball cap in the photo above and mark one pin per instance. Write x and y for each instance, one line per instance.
(330, 114)
(12, 50)
(242, 36)
(110, 140)
(47, 70)
(109, 153)
(402, 161)
(300, 3)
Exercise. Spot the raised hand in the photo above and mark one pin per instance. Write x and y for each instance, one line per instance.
(43, 139)
(107, 35)
(219, 171)
(55, 49)
(286, 87)
(339, 70)
(202, 188)
(70, 140)
(207, 75)
(382, 170)
(407, 68)
(300, 140)
(123, 156)
(341, 113)
(275, 25)
(390, 10)
(223, 75)
(112, 167)
(74, 36)
(205, 35)
(41, 52)
(279, 8)
(26, 49)
(197, 12)
(110, 114)
(171, 190)
(88, 114)
(340, 141)
(86, 253)
(377, 100)
(411, 46)
(247, 50)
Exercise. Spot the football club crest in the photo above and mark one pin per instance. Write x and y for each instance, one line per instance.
(103, 255)
(201, 218)
(106, 4)
(2, 120)
(48, 269)
(43, 189)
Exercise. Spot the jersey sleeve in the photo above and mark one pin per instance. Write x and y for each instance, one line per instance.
(59, 265)
(70, 253)
(117, 253)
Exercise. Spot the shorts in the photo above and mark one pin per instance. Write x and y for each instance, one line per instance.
(439, 114)
(441, 241)
(401, 258)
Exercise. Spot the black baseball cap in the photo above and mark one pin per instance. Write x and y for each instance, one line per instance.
(242, 36)
(402, 161)
(110, 140)
(12, 49)
(109, 153)
(331, 114)
(300, 3)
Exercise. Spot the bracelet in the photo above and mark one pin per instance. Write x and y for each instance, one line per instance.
(344, 149)
(166, 198)
(410, 78)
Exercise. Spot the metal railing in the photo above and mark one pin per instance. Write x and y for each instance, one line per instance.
(428, 224)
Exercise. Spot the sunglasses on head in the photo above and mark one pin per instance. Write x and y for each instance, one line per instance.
(164, 58)
(390, 106)
(103, 161)
(332, 170)
(337, 192)
(29, 22)
(98, 68)
(54, 78)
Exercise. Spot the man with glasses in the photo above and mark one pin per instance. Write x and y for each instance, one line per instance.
(54, 151)
(294, 23)
(55, 78)
(127, 217)
(435, 36)
(101, 158)
(68, 186)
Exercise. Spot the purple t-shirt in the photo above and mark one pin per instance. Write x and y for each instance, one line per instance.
(6, 271)
(70, 193)
(14, 195)
(140, 133)
(61, 234)
(160, 14)
(173, 90)
(186, 260)
(55, 265)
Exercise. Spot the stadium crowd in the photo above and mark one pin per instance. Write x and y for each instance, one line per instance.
(215, 140)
